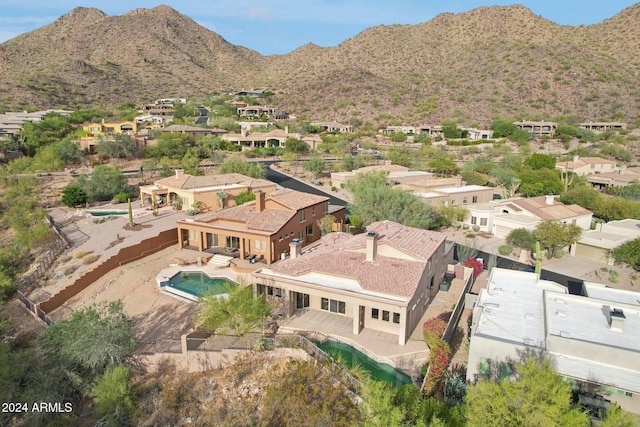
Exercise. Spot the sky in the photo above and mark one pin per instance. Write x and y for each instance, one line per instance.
(281, 26)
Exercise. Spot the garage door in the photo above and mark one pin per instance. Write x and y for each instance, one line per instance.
(591, 253)
(502, 231)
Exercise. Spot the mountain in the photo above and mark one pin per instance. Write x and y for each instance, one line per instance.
(471, 67)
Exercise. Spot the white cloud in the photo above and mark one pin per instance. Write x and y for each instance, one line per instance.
(261, 13)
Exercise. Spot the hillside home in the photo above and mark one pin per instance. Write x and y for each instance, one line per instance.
(383, 279)
(261, 229)
(587, 165)
(462, 195)
(593, 340)
(478, 134)
(620, 178)
(333, 127)
(260, 110)
(599, 127)
(250, 140)
(500, 217)
(159, 109)
(11, 122)
(212, 192)
(538, 128)
(193, 130)
(596, 245)
(342, 178)
(390, 130)
(96, 131)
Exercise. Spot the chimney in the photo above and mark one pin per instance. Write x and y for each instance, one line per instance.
(259, 201)
(575, 159)
(179, 173)
(549, 198)
(295, 248)
(616, 319)
(372, 246)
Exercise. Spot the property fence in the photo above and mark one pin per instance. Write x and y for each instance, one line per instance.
(457, 312)
(124, 256)
(33, 308)
(197, 341)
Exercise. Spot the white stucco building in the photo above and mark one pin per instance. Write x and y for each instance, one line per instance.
(592, 339)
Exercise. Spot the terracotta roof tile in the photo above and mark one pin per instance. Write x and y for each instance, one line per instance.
(295, 199)
(340, 254)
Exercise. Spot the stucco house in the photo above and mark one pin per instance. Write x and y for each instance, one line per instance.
(592, 339)
(213, 192)
(500, 217)
(596, 245)
(261, 229)
(383, 279)
(587, 165)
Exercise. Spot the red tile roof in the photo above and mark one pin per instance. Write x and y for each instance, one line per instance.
(556, 211)
(343, 255)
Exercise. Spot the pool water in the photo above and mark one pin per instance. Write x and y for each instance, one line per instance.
(107, 213)
(197, 283)
(352, 357)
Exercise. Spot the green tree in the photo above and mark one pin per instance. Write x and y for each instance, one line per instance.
(538, 182)
(237, 165)
(400, 156)
(293, 145)
(116, 146)
(315, 165)
(191, 163)
(616, 208)
(474, 178)
(374, 201)
(443, 167)
(244, 197)
(326, 224)
(68, 150)
(540, 161)
(104, 183)
(73, 195)
(554, 235)
(380, 409)
(450, 129)
(503, 128)
(92, 339)
(113, 396)
(240, 313)
(617, 417)
(52, 128)
(506, 179)
(521, 238)
(350, 162)
(536, 397)
(628, 253)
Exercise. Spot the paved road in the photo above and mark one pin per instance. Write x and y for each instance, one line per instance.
(294, 184)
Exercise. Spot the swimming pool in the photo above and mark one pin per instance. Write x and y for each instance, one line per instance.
(352, 357)
(107, 213)
(196, 283)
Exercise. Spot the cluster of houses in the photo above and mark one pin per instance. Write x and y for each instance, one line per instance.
(385, 278)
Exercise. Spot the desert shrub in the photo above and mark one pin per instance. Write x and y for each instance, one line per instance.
(120, 198)
(559, 253)
(79, 254)
(89, 258)
(475, 227)
(505, 249)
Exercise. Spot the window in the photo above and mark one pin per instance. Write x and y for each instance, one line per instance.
(333, 305)
(280, 239)
(465, 200)
(313, 211)
(302, 300)
(453, 202)
(385, 315)
(326, 207)
(396, 317)
(474, 199)
(301, 235)
(193, 235)
(375, 313)
(303, 215)
(309, 230)
(274, 292)
(483, 221)
(474, 220)
(277, 292)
